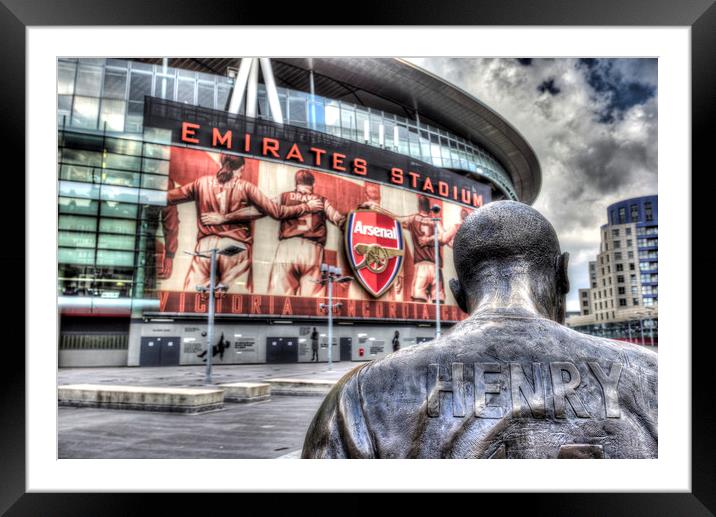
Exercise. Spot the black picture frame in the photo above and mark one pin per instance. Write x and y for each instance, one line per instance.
(17, 15)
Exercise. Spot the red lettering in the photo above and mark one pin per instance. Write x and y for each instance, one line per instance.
(247, 142)
(465, 196)
(271, 311)
(476, 200)
(317, 153)
(426, 313)
(255, 305)
(236, 304)
(414, 178)
(182, 299)
(188, 130)
(365, 309)
(360, 166)
(219, 303)
(217, 137)
(428, 185)
(319, 311)
(392, 313)
(351, 308)
(454, 192)
(270, 146)
(294, 154)
(379, 309)
(443, 189)
(199, 305)
(396, 176)
(338, 162)
(404, 310)
(287, 308)
(163, 297)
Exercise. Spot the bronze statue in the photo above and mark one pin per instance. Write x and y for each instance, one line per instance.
(510, 381)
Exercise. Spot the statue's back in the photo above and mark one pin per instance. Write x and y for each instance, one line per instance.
(498, 386)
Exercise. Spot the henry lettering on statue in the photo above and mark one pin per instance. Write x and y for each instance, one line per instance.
(510, 381)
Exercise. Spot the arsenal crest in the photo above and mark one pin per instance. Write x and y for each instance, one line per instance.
(374, 246)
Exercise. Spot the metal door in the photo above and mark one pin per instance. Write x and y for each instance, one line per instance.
(346, 348)
(159, 351)
(281, 349)
(169, 355)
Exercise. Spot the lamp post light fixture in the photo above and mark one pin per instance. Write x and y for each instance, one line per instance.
(435, 209)
(329, 275)
(228, 251)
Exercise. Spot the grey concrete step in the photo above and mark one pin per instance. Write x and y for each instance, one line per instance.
(246, 391)
(297, 386)
(148, 398)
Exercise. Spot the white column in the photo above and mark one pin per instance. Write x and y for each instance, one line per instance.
(252, 89)
(237, 95)
(271, 91)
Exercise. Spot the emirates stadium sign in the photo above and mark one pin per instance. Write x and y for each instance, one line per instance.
(374, 246)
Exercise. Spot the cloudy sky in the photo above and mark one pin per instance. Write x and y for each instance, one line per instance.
(593, 125)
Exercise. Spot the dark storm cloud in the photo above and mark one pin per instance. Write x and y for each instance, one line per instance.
(593, 125)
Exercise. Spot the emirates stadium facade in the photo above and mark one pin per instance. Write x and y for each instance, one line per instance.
(289, 164)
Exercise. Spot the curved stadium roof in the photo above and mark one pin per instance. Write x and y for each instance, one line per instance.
(398, 86)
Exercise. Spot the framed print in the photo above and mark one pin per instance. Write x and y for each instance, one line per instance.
(173, 122)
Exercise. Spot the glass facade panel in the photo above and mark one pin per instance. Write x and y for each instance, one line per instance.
(115, 258)
(88, 81)
(85, 112)
(156, 151)
(205, 96)
(112, 193)
(122, 178)
(79, 173)
(117, 226)
(77, 223)
(77, 189)
(114, 209)
(154, 182)
(76, 239)
(111, 117)
(75, 256)
(116, 242)
(156, 166)
(122, 161)
(66, 78)
(68, 205)
(115, 84)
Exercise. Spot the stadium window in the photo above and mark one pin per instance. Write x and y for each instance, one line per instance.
(617, 244)
(628, 231)
(622, 302)
(615, 232)
(622, 215)
(620, 267)
(620, 279)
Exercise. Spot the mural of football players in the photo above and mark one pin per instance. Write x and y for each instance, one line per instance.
(448, 236)
(221, 201)
(421, 228)
(302, 239)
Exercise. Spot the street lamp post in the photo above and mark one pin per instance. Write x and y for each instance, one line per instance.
(211, 289)
(329, 275)
(435, 209)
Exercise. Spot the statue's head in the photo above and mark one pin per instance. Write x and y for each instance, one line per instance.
(507, 245)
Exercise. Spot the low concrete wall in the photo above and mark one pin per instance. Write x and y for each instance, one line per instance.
(300, 386)
(177, 400)
(246, 391)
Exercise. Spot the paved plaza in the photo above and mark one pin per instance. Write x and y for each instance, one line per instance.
(271, 428)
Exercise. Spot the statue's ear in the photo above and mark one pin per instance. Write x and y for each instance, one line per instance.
(562, 275)
(459, 294)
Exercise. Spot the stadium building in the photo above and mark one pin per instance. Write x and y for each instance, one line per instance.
(623, 298)
(281, 166)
